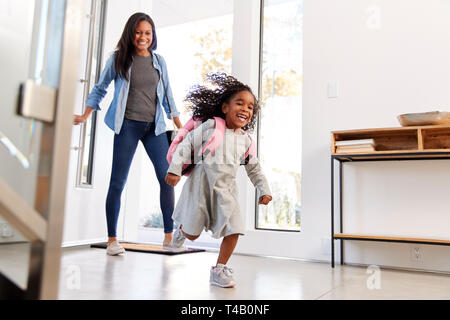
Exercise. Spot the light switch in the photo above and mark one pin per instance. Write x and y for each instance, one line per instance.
(6, 231)
(332, 89)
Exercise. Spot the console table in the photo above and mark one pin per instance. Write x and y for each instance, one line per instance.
(401, 143)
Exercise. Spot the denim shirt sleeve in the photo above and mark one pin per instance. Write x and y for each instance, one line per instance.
(99, 90)
(168, 90)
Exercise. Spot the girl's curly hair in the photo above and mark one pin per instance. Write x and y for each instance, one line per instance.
(206, 102)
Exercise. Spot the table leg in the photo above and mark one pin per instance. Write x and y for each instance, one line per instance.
(340, 209)
(332, 212)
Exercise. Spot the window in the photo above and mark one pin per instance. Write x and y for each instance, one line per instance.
(280, 123)
(202, 43)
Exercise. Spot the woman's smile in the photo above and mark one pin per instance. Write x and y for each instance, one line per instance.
(143, 37)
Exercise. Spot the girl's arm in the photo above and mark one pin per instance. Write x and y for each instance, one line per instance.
(265, 199)
(172, 179)
(259, 180)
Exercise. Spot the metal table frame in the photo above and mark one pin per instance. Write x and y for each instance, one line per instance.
(342, 158)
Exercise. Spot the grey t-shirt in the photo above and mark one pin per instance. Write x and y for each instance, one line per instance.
(141, 102)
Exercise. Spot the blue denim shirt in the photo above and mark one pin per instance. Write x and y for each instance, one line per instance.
(116, 111)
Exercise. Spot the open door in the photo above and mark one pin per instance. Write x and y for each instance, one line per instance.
(39, 60)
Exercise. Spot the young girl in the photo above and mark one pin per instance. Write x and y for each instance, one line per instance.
(209, 199)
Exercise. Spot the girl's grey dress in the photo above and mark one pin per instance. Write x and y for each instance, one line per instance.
(209, 199)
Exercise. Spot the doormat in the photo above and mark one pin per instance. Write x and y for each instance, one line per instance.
(147, 248)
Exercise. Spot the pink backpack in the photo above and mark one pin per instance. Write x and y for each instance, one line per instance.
(210, 146)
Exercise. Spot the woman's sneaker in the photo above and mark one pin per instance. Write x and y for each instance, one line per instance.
(114, 248)
(221, 276)
(176, 245)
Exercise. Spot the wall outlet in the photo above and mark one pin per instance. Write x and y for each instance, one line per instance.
(416, 253)
(6, 231)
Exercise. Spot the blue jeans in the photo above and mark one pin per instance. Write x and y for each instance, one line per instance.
(125, 144)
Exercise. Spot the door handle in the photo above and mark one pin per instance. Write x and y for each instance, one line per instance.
(37, 101)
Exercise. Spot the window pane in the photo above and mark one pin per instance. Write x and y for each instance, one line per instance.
(280, 128)
(202, 43)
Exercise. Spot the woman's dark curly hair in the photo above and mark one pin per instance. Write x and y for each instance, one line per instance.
(206, 102)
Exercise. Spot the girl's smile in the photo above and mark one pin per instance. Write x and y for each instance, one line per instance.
(239, 111)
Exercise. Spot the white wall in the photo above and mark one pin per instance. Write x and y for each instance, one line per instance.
(385, 66)
(165, 12)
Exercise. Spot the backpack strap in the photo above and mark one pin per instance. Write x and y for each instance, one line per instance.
(250, 155)
(210, 146)
(178, 138)
(216, 139)
(208, 149)
(182, 133)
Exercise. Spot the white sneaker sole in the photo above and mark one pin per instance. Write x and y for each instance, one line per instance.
(115, 253)
(173, 249)
(230, 285)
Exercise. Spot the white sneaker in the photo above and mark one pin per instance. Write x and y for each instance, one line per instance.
(168, 246)
(176, 245)
(114, 248)
(221, 276)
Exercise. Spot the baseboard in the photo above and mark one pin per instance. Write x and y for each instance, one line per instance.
(13, 242)
(83, 242)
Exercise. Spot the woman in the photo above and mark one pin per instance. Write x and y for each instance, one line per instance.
(141, 92)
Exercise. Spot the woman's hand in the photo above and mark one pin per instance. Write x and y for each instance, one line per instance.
(82, 119)
(265, 199)
(78, 119)
(177, 122)
(172, 179)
